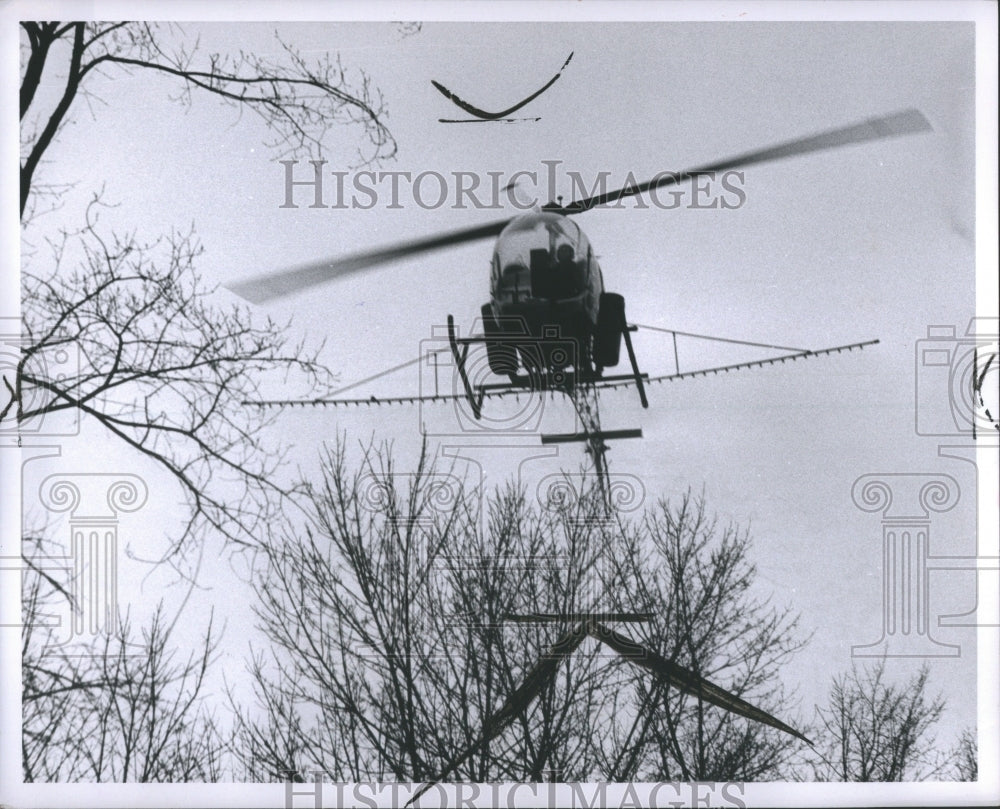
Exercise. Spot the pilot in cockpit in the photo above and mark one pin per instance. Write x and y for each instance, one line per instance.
(568, 271)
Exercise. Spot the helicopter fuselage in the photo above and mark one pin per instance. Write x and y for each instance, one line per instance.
(546, 286)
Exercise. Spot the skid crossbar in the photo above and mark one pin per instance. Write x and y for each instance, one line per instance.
(562, 380)
(601, 435)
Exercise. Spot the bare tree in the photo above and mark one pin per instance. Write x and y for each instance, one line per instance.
(698, 579)
(394, 608)
(148, 361)
(875, 730)
(117, 707)
(161, 368)
(965, 756)
(392, 644)
(300, 102)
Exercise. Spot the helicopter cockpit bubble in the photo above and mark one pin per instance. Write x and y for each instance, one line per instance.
(551, 248)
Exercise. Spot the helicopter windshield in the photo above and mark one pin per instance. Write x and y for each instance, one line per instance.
(545, 253)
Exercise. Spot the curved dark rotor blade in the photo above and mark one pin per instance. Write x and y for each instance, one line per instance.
(535, 682)
(268, 286)
(685, 680)
(906, 122)
(492, 116)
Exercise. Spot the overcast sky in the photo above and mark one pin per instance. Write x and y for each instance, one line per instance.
(873, 241)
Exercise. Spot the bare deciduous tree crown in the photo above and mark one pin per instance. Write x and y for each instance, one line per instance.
(390, 650)
(875, 730)
(160, 368)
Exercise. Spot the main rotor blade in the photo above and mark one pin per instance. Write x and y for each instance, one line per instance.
(685, 680)
(269, 286)
(907, 122)
(535, 682)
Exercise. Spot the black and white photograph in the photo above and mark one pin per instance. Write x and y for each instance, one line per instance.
(499, 404)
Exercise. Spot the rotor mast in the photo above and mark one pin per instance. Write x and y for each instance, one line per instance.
(584, 398)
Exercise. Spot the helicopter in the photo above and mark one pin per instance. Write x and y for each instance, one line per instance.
(549, 313)
(551, 324)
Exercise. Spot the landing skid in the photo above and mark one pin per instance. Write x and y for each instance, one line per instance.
(562, 380)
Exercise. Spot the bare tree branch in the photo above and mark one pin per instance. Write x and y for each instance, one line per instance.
(115, 707)
(302, 103)
(390, 657)
(874, 730)
(122, 335)
(165, 371)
